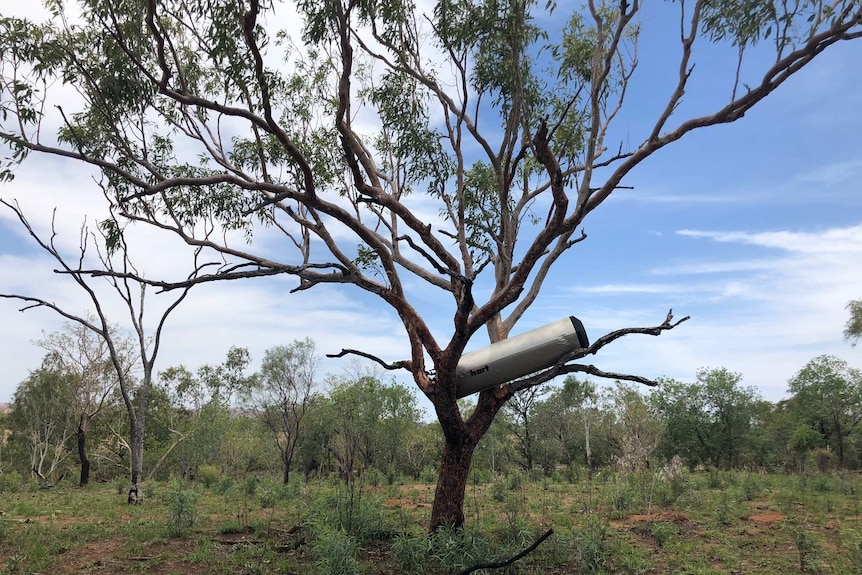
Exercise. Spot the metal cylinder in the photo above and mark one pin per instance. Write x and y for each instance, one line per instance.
(518, 356)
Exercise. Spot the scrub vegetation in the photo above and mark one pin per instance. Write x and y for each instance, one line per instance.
(610, 522)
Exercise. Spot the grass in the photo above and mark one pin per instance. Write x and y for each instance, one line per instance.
(717, 522)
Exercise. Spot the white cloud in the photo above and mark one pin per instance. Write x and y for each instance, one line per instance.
(831, 241)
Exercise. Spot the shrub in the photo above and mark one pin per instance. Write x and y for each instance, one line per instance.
(410, 553)
(662, 532)
(182, 508)
(10, 481)
(336, 553)
(593, 550)
(208, 475)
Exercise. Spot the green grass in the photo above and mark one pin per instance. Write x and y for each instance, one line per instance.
(717, 522)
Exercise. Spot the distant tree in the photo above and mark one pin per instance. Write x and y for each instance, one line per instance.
(195, 419)
(827, 394)
(582, 396)
(853, 328)
(636, 429)
(558, 432)
(519, 411)
(421, 449)
(368, 423)
(85, 356)
(731, 410)
(126, 283)
(505, 125)
(42, 417)
(803, 439)
(707, 422)
(282, 392)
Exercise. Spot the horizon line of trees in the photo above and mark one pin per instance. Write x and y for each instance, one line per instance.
(286, 418)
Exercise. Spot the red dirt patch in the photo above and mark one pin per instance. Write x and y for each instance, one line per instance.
(89, 557)
(766, 518)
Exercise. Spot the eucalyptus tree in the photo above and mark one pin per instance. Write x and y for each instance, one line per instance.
(196, 111)
(41, 418)
(85, 356)
(282, 393)
(853, 327)
(827, 395)
(196, 421)
(520, 410)
(118, 271)
(636, 429)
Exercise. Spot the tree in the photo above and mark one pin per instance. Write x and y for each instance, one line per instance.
(730, 408)
(329, 143)
(41, 416)
(707, 422)
(197, 415)
(637, 430)
(520, 410)
(853, 328)
(827, 394)
(282, 394)
(119, 272)
(85, 356)
(368, 424)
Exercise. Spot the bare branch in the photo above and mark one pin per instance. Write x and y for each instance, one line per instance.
(510, 560)
(403, 364)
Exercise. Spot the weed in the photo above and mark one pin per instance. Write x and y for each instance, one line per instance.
(268, 498)
(182, 509)
(410, 553)
(662, 532)
(593, 551)
(806, 546)
(336, 553)
(498, 490)
(10, 481)
(714, 479)
(851, 543)
(751, 487)
(725, 508)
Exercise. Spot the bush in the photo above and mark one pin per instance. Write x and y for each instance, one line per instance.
(410, 553)
(10, 481)
(593, 550)
(336, 553)
(208, 475)
(182, 508)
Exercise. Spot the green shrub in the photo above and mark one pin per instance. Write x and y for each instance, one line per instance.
(250, 487)
(224, 485)
(662, 532)
(356, 513)
(182, 509)
(336, 553)
(592, 545)
(516, 481)
(208, 475)
(410, 553)
(10, 481)
(498, 490)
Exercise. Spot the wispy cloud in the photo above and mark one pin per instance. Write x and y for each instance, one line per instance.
(830, 241)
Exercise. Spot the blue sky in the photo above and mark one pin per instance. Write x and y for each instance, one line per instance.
(753, 229)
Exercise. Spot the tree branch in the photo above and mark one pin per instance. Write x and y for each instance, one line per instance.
(507, 562)
(403, 364)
